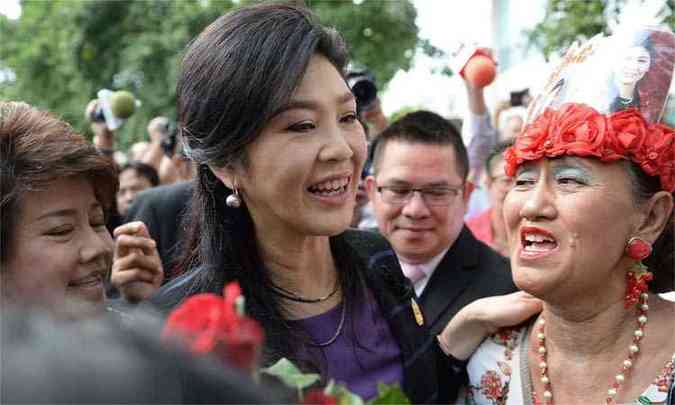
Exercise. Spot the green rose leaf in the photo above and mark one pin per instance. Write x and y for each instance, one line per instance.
(342, 393)
(290, 375)
(390, 395)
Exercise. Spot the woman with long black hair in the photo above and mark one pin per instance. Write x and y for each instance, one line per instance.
(265, 111)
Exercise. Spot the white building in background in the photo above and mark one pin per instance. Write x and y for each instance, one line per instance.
(521, 66)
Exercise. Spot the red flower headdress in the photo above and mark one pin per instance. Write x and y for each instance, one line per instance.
(579, 130)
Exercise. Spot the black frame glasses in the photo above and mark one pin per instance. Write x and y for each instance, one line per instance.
(432, 196)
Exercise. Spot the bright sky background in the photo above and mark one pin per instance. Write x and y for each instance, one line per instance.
(444, 23)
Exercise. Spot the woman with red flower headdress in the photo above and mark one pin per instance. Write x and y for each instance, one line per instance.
(590, 229)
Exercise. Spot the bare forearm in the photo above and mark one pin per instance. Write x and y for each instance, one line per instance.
(485, 316)
(104, 141)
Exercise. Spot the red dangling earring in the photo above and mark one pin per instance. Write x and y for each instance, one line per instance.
(638, 277)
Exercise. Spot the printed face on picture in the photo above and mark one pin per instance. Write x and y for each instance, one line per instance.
(632, 65)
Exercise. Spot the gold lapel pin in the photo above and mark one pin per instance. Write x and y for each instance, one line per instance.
(419, 318)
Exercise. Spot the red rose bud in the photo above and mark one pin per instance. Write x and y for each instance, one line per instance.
(209, 324)
(480, 70)
(318, 397)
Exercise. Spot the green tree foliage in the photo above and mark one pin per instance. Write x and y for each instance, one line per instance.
(59, 53)
(569, 20)
(382, 35)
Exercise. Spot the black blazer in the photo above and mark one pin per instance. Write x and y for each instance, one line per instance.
(428, 375)
(469, 270)
(162, 209)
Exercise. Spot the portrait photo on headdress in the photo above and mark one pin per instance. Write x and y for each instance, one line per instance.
(641, 73)
(631, 69)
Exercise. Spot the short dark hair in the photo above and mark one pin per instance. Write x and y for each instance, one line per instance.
(37, 148)
(144, 170)
(497, 151)
(423, 127)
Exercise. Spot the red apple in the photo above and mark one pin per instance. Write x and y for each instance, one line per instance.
(480, 70)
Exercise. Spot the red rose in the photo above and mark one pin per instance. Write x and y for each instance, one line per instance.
(530, 143)
(209, 324)
(510, 162)
(577, 130)
(629, 130)
(318, 397)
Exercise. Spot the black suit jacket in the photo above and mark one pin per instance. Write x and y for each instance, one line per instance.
(162, 210)
(469, 270)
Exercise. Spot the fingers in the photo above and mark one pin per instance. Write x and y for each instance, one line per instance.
(137, 260)
(137, 276)
(125, 245)
(123, 278)
(136, 228)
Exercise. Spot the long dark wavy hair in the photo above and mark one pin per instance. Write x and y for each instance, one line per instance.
(235, 75)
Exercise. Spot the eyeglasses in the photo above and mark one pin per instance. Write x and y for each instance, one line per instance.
(432, 196)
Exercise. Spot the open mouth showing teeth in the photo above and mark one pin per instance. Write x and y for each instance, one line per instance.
(533, 242)
(330, 188)
(89, 281)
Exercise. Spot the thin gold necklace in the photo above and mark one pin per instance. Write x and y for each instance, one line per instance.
(337, 332)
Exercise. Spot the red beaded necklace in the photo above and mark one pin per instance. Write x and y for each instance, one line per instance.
(633, 351)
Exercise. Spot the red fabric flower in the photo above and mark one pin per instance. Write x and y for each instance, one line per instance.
(530, 144)
(579, 130)
(629, 130)
(576, 130)
(318, 397)
(209, 324)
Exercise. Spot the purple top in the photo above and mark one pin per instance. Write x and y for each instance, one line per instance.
(360, 362)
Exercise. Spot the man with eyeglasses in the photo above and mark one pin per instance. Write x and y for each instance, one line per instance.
(419, 191)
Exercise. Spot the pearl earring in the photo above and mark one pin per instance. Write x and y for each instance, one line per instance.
(233, 200)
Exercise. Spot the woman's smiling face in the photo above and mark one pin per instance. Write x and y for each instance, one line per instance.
(303, 169)
(61, 251)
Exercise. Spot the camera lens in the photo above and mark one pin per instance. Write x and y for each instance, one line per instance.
(365, 93)
(97, 115)
(364, 89)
